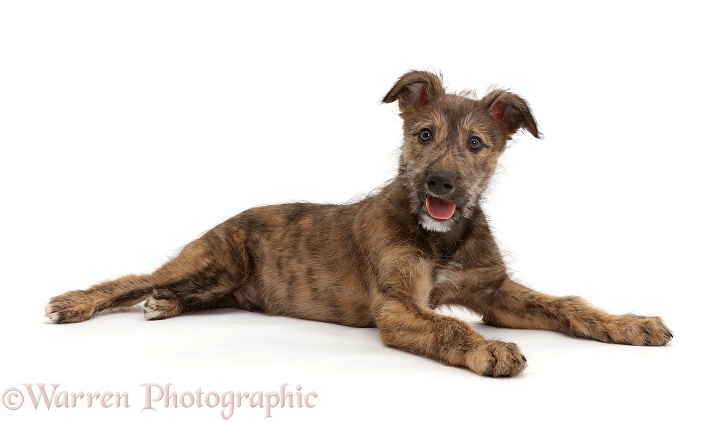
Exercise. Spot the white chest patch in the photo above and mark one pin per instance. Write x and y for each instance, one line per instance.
(447, 275)
(441, 278)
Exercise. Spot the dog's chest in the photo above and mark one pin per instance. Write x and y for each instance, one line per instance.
(446, 275)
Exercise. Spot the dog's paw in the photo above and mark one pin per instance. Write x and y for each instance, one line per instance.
(497, 359)
(161, 304)
(73, 306)
(640, 331)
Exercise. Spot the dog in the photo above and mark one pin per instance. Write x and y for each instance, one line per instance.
(387, 261)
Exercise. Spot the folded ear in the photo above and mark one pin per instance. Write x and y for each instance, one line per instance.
(414, 90)
(510, 112)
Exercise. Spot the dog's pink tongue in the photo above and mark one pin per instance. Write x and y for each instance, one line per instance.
(439, 208)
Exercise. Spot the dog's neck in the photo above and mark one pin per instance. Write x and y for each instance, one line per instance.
(442, 244)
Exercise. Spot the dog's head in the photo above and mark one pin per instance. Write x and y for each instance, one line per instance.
(451, 145)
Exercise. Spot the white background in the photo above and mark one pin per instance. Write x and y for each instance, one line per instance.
(129, 128)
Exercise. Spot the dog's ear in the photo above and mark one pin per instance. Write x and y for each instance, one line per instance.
(414, 90)
(510, 112)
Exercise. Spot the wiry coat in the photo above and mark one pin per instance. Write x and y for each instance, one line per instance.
(386, 261)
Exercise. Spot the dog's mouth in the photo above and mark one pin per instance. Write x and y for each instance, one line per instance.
(439, 208)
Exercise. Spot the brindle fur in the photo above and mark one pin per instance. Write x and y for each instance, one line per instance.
(381, 262)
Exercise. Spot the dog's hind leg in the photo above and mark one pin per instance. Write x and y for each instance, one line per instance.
(203, 276)
(80, 305)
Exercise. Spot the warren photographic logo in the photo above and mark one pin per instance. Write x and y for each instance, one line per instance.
(156, 397)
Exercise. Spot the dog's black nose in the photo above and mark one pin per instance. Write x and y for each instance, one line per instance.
(440, 183)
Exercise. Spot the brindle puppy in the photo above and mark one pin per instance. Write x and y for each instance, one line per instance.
(386, 261)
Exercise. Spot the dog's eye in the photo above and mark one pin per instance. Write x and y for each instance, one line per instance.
(425, 136)
(475, 143)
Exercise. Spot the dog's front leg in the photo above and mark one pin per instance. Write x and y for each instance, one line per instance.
(511, 305)
(405, 322)
(411, 327)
